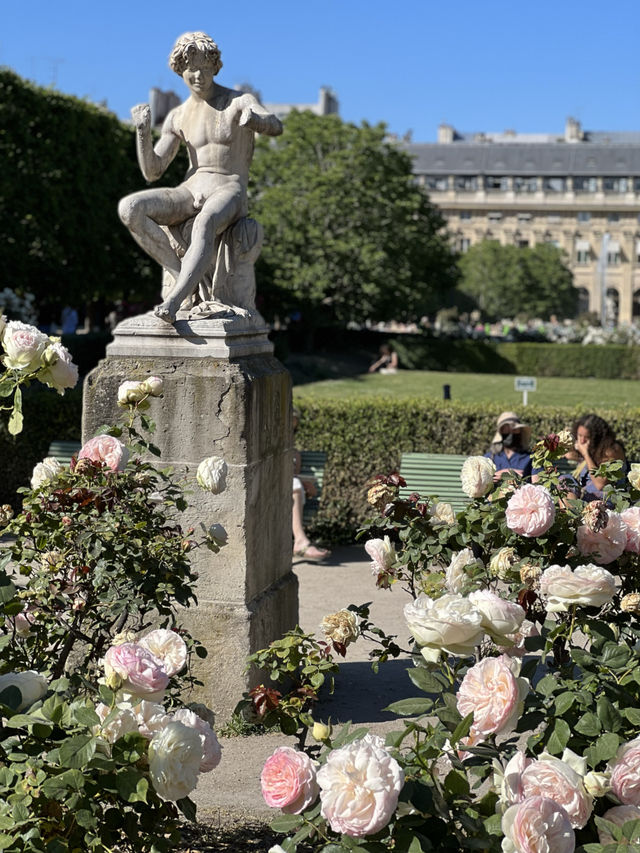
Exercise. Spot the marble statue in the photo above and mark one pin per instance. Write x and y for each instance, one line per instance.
(199, 231)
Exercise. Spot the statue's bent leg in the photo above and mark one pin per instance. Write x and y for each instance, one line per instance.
(219, 212)
(143, 213)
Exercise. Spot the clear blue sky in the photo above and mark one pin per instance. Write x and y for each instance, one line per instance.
(477, 64)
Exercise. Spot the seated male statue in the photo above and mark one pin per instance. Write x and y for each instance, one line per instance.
(217, 125)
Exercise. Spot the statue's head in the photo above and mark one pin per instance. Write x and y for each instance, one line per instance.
(189, 44)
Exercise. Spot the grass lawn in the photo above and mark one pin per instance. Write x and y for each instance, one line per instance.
(476, 387)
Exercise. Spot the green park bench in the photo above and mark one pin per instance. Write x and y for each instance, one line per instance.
(63, 450)
(434, 474)
(312, 464)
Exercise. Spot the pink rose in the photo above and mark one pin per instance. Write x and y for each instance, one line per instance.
(589, 585)
(530, 511)
(359, 787)
(620, 815)
(106, 450)
(288, 780)
(494, 695)
(140, 673)
(556, 779)
(516, 640)
(631, 518)
(24, 346)
(537, 824)
(625, 773)
(606, 545)
(499, 616)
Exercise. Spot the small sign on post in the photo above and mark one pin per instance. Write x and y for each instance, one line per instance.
(525, 384)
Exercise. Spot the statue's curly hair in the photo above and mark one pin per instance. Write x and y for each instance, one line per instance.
(191, 43)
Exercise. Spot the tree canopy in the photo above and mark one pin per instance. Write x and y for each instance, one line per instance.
(506, 281)
(349, 236)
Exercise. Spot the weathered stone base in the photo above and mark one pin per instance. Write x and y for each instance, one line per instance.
(236, 406)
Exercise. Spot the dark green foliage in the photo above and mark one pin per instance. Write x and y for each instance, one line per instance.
(48, 416)
(507, 281)
(65, 165)
(609, 361)
(365, 438)
(348, 234)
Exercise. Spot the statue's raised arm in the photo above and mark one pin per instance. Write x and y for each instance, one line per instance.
(198, 231)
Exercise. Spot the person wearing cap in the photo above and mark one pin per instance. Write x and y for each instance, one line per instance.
(510, 446)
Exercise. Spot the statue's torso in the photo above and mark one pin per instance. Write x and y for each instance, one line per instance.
(216, 144)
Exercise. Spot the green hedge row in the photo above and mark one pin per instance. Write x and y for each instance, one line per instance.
(609, 361)
(47, 416)
(365, 438)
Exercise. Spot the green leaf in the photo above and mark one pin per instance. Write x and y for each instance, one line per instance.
(58, 787)
(425, 680)
(7, 589)
(15, 419)
(608, 715)
(11, 698)
(604, 749)
(86, 716)
(410, 707)
(547, 685)
(132, 785)
(462, 729)
(129, 748)
(633, 715)
(456, 783)
(286, 822)
(563, 702)
(588, 725)
(559, 737)
(77, 751)
(615, 656)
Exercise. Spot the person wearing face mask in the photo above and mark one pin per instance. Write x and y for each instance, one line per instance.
(510, 446)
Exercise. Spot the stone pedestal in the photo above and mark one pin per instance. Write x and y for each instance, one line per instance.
(224, 395)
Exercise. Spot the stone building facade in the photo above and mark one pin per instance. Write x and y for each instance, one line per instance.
(579, 191)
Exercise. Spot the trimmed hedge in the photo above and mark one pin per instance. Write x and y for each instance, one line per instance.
(608, 361)
(47, 416)
(365, 438)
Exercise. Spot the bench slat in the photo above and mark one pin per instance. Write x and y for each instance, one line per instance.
(436, 474)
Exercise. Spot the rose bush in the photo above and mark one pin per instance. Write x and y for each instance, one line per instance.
(524, 734)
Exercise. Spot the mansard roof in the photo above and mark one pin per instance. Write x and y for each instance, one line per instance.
(521, 158)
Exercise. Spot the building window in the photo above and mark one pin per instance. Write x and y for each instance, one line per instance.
(636, 185)
(524, 217)
(585, 185)
(440, 183)
(583, 216)
(523, 244)
(494, 216)
(583, 252)
(464, 244)
(615, 185)
(555, 185)
(525, 185)
(465, 214)
(614, 256)
(494, 183)
(613, 217)
(554, 219)
(466, 183)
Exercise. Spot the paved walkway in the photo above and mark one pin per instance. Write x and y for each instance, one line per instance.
(359, 696)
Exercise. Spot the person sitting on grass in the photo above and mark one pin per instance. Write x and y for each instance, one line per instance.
(388, 361)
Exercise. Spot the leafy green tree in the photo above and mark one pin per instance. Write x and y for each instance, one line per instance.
(349, 236)
(506, 281)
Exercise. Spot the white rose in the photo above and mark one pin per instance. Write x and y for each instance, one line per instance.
(150, 718)
(597, 784)
(455, 576)
(131, 392)
(477, 476)
(153, 386)
(449, 624)
(442, 513)
(634, 475)
(589, 585)
(211, 749)
(60, 372)
(167, 647)
(218, 535)
(116, 722)
(24, 346)
(30, 683)
(499, 616)
(175, 753)
(382, 553)
(45, 472)
(212, 474)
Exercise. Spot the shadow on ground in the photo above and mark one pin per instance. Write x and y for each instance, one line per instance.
(360, 695)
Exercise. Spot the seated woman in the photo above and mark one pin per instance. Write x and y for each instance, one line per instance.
(510, 446)
(388, 361)
(303, 487)
(595, 443)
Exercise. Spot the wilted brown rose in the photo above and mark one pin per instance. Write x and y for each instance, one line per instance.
(630, 603)
(6, 514)
(595, 516)
(379, 495)
(502, 561)
(530, 575)
(341, 627)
